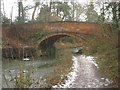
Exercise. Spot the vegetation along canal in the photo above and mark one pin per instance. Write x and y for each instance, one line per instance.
(34, 68)
(37, 72)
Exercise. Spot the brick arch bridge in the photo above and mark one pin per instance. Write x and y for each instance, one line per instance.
(57, 30)
(53, 30)
(51, 38)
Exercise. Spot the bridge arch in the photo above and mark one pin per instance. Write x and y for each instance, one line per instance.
(48, 40)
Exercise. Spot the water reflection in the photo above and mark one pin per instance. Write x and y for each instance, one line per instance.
(39, 67)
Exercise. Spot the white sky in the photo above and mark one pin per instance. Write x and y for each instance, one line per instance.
(8, 4)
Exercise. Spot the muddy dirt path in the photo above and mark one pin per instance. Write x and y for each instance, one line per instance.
(88, 75)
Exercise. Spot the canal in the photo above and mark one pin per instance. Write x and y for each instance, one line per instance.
(32, 72)
(37, 68)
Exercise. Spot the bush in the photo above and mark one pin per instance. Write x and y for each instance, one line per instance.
(105, 47)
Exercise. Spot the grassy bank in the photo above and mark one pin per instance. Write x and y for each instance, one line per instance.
(104, 46)
(63, 66)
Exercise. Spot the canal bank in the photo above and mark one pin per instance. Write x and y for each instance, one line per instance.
(60, 72)
(35, 72)
(105, 47)
(63, 67)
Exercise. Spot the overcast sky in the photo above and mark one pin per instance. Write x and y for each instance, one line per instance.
(9, 4)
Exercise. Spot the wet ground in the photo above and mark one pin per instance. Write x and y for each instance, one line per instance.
(88, 75)
(85, 74)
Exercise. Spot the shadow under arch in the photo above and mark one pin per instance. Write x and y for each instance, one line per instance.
(47, 42)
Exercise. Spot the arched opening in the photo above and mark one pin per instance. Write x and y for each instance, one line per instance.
(46, 44)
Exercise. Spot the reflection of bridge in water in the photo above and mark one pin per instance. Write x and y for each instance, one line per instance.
(53, 30)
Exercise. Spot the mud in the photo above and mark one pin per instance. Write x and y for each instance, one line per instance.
(88, 75)
(85, 74)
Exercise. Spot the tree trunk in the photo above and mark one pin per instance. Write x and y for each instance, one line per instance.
(119, 17)
(114, 11)
(73, 11)
(34, 12)
(103, 13)
(119, 11)
(20, 12)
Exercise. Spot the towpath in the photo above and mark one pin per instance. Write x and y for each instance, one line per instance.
(89, 75)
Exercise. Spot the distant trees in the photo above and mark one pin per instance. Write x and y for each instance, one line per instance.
(63, 11)
(91, 14)
(5, 20)
(77, 11)
(36, 5)
(69, 11)
(105, 12)
(110, 12)
(45, 15)
(21, 13)
(22, 16)
(60, 11)
(113, 8)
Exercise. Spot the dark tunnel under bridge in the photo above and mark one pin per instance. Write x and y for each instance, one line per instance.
(46, 43)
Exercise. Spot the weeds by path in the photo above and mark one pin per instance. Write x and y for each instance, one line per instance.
(105, 47)
(63, 66)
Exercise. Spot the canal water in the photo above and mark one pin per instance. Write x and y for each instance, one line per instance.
(38, 68)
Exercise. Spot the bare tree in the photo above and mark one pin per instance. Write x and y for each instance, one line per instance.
(36, 5)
